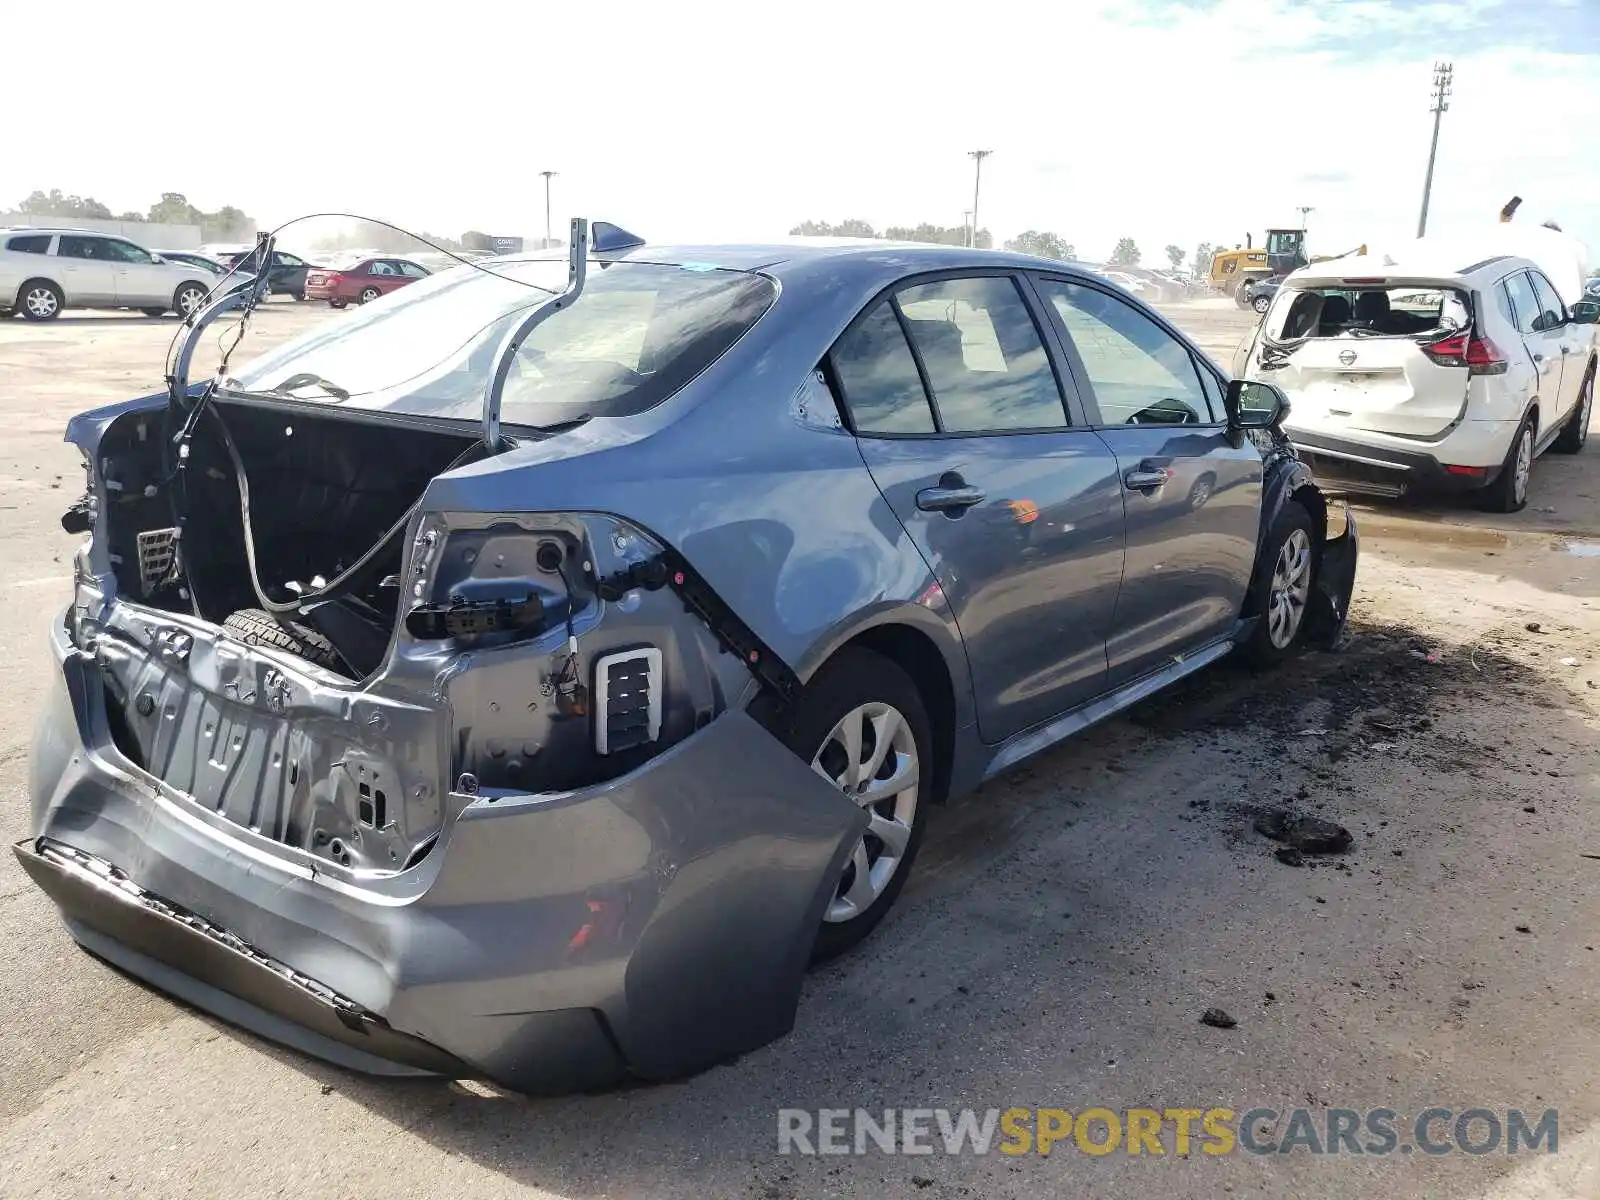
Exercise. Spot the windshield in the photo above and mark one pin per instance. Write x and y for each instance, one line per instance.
(637, 334)
(1400, 310)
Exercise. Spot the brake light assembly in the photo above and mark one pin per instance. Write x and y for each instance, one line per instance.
(1465, 349)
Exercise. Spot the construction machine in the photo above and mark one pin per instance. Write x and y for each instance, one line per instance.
(1284, 250)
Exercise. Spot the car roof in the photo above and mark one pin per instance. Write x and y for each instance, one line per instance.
(59, 229)
(1434, 268)
(856, 258)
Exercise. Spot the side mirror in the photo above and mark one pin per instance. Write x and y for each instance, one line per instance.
(1253, 405)
(1586, 312)
(156, 258)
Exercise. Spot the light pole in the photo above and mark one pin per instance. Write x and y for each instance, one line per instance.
(548, 176)
(1442, 76)
(977, 157)
(1304, 210)
(966, 224)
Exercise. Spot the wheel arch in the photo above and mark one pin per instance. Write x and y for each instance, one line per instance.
(16, 301)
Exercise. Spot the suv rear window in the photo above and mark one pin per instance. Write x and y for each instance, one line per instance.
(1398, 310)
(637, 334)
(29, 243)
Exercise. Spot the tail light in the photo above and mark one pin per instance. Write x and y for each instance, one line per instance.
(1478, 354)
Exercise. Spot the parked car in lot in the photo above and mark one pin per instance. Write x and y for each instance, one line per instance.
(191, 259)
(1257, 294)
(1406, 376)
(559, 658)
(43, 271)
(288, 276)
(362, 282)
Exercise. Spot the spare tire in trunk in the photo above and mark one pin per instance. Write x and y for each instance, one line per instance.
(257, 627)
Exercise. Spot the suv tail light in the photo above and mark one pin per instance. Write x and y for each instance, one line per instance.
(1478, 354)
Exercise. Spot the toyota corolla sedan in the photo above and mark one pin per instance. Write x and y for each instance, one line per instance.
(528, 676)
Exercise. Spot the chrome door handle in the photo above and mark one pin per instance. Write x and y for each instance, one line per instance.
(949, 499)
(1143, 478)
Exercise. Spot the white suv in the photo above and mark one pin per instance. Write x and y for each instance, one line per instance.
(1402, 376)
(43, 271)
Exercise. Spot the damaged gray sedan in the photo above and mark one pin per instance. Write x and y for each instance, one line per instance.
(526, 676)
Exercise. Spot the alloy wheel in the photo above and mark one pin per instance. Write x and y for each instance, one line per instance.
(871, 756)
(1291, 589)
(190, 299)
(41, 302)
(1523, 467)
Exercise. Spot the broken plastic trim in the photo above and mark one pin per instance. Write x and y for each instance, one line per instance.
(467, 618)
(577, 266)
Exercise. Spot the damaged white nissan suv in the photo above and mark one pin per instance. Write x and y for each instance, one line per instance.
(1405, 377)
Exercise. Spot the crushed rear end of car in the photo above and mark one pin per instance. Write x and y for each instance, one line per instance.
(349, 748)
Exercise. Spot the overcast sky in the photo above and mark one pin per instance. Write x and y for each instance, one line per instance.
(1164, 120)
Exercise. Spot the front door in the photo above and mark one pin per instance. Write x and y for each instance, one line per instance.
(1191, 495)
(960, 417)
(142, 282)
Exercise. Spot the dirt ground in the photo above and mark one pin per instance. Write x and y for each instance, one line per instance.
(1064, 931)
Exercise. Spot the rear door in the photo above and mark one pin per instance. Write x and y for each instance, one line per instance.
(1552, 321)
(1543, 337)
(87, 273)
(1191, 496)
(385, 275)
(959, 414)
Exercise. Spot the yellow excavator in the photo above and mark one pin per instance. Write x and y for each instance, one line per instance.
(1284, 250)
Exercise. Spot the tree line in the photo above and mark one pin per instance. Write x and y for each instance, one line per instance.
(225, 224)
(1033, 241)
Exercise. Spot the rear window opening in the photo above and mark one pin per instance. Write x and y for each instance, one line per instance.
(1398, 310)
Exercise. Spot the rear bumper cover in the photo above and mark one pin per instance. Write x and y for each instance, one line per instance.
(1342, 465)
(651, 926)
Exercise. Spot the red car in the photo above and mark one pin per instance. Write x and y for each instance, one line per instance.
(367, 280)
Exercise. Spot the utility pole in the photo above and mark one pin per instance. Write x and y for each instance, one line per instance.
(977, 157)
(1442, 75)
(548, 175)
(1305, 210)
(966, 224)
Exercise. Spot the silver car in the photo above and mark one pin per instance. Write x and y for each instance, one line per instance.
(43, 271)
(527, 675)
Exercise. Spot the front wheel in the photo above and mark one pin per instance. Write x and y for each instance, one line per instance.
(1261, 303)
(369, 294)
(1281, 590)
(187, 298)
(1576, 431)
(862, 726)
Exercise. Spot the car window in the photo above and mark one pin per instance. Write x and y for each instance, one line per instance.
(411, 270)
(288, 260)
(1523, 301)
(29, 243)
(120, 251)
(1552, 312)
(75, 246)
(878, 376)
(1141, 374)
(986, 364)
(381, 268)
(1213, 391)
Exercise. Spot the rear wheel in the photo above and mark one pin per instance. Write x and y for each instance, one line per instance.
(862, 726)
(1509, 492)
(40, 300)
(154, 312)
(1576, 431)
(337, 303)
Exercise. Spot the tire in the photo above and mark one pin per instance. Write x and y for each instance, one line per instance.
(1575, 432)
(369, 294)
(1261, 303)
(1286, 573)
(257, 627)
(337, 303)
(866, 687)
(154, 312)
(1509, 492)
(40, 300)
(189, 297)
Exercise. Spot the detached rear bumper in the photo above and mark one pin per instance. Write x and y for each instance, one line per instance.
(650, 926)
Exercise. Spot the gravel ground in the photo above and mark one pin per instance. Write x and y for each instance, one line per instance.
(1064, 931)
